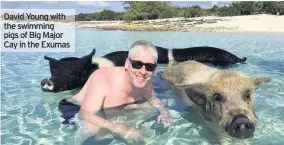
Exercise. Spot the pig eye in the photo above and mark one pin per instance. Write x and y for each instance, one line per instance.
(219, 98)
(247, 95)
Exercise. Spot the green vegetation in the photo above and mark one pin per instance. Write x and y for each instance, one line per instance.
(147, 10)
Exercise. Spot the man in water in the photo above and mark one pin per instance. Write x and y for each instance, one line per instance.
(112, 87)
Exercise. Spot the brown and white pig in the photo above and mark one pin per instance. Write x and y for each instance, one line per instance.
(224, 98)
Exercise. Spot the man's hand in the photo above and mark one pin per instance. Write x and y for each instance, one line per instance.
(130, 134)
(165, 118)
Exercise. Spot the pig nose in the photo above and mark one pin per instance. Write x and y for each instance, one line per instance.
(241, 127)
(47, 85)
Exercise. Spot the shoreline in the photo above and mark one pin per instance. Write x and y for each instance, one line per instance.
(252, 23)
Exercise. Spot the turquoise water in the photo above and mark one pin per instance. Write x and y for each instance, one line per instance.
(30, 116)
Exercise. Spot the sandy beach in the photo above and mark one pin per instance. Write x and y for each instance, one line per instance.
(253, 23)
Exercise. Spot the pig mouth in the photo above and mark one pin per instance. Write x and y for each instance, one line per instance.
(241, 127)
(47, 85)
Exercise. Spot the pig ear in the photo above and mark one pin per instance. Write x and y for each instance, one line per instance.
(260, 79)
(198, 87)
(198, 92)
(50, 59)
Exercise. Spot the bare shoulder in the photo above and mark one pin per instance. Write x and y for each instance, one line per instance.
(95, 91)
(100, 72)
(116, 75)
(116, 70)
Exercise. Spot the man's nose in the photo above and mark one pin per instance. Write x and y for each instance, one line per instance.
(143, 70)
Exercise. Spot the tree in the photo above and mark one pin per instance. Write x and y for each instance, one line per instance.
(245, 7)
(80, 17)
(106, 15)
(271, 7)
(142, 10)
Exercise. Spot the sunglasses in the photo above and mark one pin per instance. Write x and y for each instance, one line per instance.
(139, 64)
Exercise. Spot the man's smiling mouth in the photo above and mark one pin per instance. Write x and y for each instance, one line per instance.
(140, 78)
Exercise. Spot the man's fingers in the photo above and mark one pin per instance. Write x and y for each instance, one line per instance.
(166, 123)
(169, 122)
(128, 133)
(158, 119)
(139, 138)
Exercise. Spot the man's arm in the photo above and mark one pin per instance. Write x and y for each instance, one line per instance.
(93, 101)
(155, 102)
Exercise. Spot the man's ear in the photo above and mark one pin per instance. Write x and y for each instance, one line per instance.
(257, 81)
(126, 64)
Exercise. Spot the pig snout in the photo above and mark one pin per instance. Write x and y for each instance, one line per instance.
(241, 127)
(47, 85)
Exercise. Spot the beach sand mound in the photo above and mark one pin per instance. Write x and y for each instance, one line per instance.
(252, 23)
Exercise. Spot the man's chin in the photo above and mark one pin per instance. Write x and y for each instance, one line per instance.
(140, 84)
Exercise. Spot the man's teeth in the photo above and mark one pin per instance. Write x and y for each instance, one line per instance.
(140, 78)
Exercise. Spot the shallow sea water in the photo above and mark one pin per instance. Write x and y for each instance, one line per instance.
(31, 116)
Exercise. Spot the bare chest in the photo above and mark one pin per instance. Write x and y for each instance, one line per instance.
(118, 98)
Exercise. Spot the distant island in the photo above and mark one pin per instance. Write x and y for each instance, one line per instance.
(151, 10)
(161, 16)
(266, 16)
(239, 16)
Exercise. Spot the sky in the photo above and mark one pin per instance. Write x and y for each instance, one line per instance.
(94, 6)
